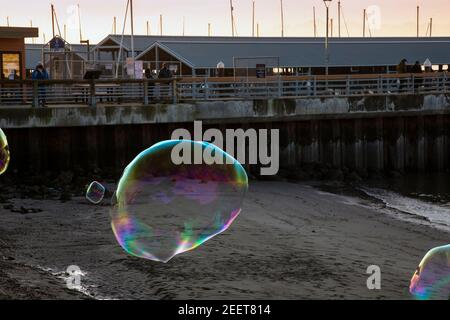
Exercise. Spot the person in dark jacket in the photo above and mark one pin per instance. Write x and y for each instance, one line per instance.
(401, 69)
(148, 74)
(165, 73)
(41, 74)
(417, 70)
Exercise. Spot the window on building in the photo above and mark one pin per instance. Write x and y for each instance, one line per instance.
(10, 64)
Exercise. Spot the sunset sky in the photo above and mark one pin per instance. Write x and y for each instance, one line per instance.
(397, 17)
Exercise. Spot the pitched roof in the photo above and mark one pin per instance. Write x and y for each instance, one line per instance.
(206, 52)
(33, 53)
(311, 52)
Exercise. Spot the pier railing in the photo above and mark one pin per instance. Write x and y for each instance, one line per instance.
(95, 92)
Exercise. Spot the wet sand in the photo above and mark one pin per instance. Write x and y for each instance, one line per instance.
(292, 241)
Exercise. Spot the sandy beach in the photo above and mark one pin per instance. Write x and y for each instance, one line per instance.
(292, 241)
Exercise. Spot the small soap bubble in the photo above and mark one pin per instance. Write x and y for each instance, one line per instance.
(161, 209)
(5, 156)
(432, 278)
(95, 192)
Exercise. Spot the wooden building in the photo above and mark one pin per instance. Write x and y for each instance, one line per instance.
(12, 51)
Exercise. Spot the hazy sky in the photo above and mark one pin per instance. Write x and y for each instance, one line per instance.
(395, 18)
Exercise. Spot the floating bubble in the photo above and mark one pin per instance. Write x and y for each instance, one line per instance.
(4, 153)
(432, 278)
(163, 209)
(95, 192)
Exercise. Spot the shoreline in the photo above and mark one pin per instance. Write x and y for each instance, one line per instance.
(292, 241)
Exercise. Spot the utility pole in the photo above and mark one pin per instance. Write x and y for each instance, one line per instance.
(331, 27)
(115, 25)
(209, 29)
(161, 24)
(148, 28)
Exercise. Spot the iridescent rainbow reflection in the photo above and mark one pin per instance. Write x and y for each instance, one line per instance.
(95, 192)
(5, 156)
(162, 210)
(432, 278)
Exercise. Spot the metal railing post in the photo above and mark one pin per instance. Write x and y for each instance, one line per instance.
(206, 89)
(444, 76)
(280, 93)
(174, 92)
(194, 89)
(146, 100)
(92, 95)
(347, 85)
(315, 86)
(247, 91)
(35, 102)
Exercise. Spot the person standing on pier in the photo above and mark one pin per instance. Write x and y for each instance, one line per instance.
(402, 68)
(41, 74)
(165, 72)
(417, 70)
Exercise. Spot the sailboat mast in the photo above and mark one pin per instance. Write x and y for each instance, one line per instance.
(232, 18)
(253, 20)
(53, 20)
(282, 19)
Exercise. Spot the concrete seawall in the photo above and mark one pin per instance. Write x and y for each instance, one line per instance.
(377, 133)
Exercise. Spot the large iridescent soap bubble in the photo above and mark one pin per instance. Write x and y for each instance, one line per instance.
(4, 153)
(163, 208)
(432, 278)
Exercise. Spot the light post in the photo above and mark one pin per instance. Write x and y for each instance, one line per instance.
(327, 53)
